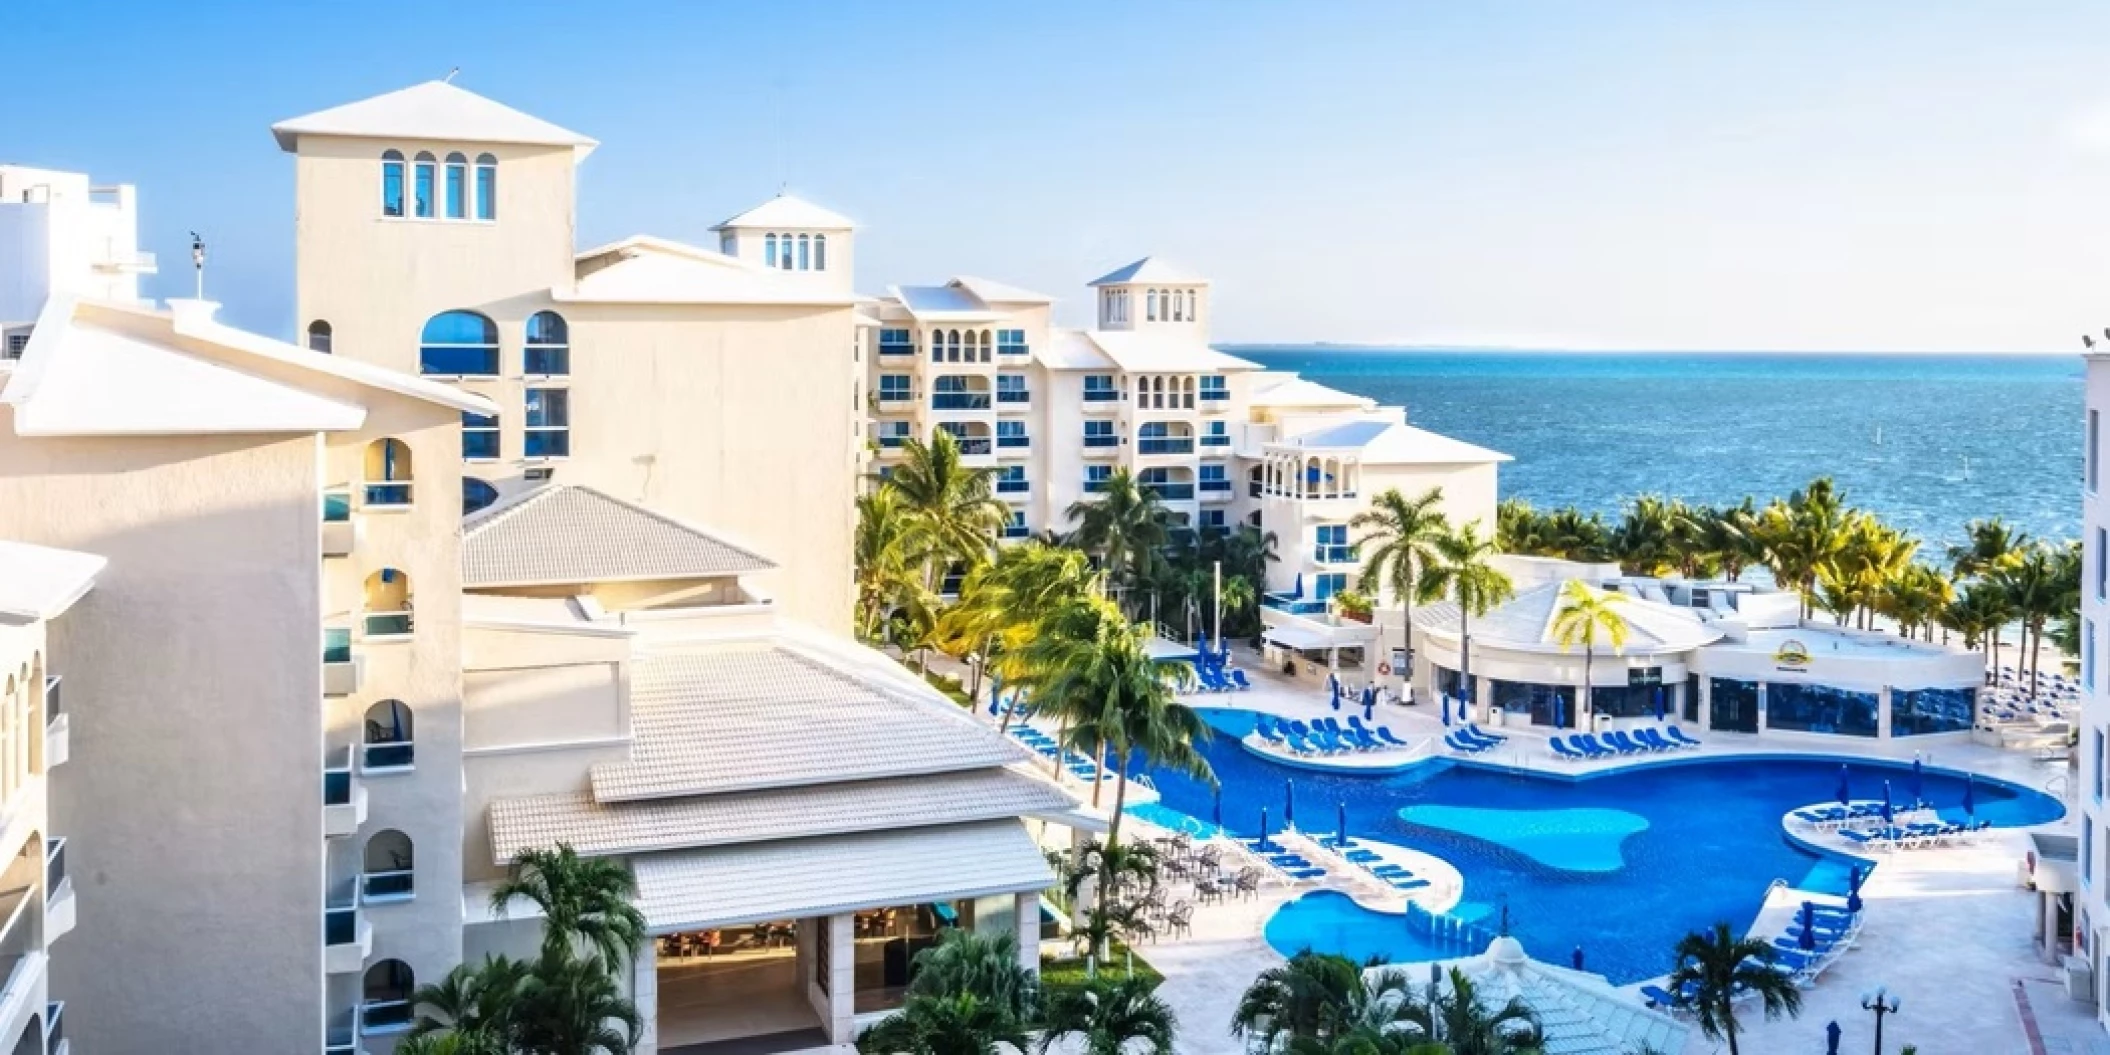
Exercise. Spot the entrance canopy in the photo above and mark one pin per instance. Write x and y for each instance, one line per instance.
(799, 878)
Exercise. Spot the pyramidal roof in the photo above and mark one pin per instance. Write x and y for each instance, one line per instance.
(1150, 269)
(1525, 624)
(789, 211)
(565, 534)
(434, 110)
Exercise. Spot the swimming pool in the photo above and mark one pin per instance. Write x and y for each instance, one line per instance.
(1622, 864)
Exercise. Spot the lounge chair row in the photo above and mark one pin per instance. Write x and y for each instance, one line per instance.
(1398, 877)
(1079, 766)
(1471, 740)
(1293, 865)
(1832, 932)
(1618, 742)
(1325, 736)
(1825, 818)
(1219, 679)
(1914, 836)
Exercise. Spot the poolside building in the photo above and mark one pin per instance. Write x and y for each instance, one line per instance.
(1715, 655)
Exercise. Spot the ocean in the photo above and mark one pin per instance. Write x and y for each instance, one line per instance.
(1929, 442)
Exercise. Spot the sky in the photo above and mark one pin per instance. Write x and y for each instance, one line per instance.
(1685, 175)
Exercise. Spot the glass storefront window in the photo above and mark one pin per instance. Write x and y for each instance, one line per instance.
(1917, 711)
(1449, 683)
(1520, 698)
(1732, 705)
(1820, 709)
(1629, 701)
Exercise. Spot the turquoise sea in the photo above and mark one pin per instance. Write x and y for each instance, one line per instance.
(1928, 441)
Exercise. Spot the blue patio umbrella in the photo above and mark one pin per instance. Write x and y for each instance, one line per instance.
(1917, 776)
(1808, 939)
(1333, 690)
(1296, 593)
(996, 692)
(1888, 817)
(1446, 710)
(1289, 804)
(1340, 831)
(1369, 703)
(1853, 889)
(1970, 795)
(1560, 712)
(1262, 845)
(1659, 703)
(1844, 795)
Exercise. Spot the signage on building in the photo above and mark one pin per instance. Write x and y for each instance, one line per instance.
(1644, 677)
(1791, 655)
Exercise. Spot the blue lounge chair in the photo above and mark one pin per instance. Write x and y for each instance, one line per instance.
(1590, 745)
(1363, 856)
(1677, 736)
(1364, 740)
(1451, 741)
(1482, 734)
(1238, 679)
(1297, 743)
(1653, 740)
(1563, 751)
(1384, 733)
(1624, 742)
(1659, 997)
(1408, 884)
(1391, 870)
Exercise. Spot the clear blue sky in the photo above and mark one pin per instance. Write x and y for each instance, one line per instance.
(1762, 175)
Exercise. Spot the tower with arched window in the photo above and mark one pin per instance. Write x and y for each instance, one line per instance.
(792, 236)
(1152, 294)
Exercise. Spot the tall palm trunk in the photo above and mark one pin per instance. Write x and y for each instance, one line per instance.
(1098, 769)
(1588, 703)
(1465, 657)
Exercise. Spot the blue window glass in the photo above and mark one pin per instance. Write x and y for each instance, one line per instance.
(1216, 435)
(1820, 709)
(897, 342)
(476, 494)
(893, 433)
(1917, 711)
(1100, 434)
(1214, 479)
(893, 387)
(805, 253)
(548, 423)
(548, 350)
(1327, 585)
(952, 392)
(457, 187)
(769, 250)
(1157, 437)
(459, 344)
(479, 435)
(1016, 526)
(1011, 388)
(391, 184)
(426, 173)
(1011, 342)
(1213, 387)
(1011, 480)
(486, 187)
(1215, 520)
(1011, 434)
(1159, 482)
(820, 252)
(1095, 477)
(1099, 388)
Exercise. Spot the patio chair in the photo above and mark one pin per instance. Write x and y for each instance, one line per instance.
(1385, 734)
(1563, 751)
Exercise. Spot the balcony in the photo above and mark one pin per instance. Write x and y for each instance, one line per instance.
(389, 756)
(1102, 396)
(1216, 440)
(135, 262)
(1013, 348)
(973, 445)
(386, 625)
(1014, 442)
(380, 1017)
(959, 401)
(1018, 396)
(1288, 605)
(380, 888)
(1215, 489)
(58, 740)
(342, 671)
(1333, 555)
(1170, 492)
(1017, 531)
(58, 891)
(340, 533)
(347, 938)
(1165, 445)
(552, 441)
(1013, 487)
(895, 399)
(1095, 487)
(387, 494)
(343, 799)
(892, 442)
(1217, 396)
(480, 444)
(55, 1028)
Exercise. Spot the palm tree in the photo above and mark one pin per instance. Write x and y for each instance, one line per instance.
(1979, 614)
(1000, 602)
(1571, 534)
(889, 554)
(1990, 546)
(2034, 588)
(959, 1024)
(451, 1043)
(572, 1006)
(981, 964)
(952, 506)
(1399, 536)
(1721, 968)
(1463, 572)
(1314, 994)
(1645, 542)
(1583, 614)
(583, 900)
(1799, 535)
(1125, 527)
(1465, 1025)
(475, 1003)
(1112, 1016)
(1519, 528)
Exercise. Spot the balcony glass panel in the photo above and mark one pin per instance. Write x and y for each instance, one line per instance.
(384, 1015)
(959, 401)
(1334, 554)
(1012, 487)
(1016, 531)
(443, 361)
(388, 494)
(1014, 395)
(548, 443)
(52, 707)
(551, 361)
(1166, 445)
(1171, 492)
(1100, 395)
(1014, 441)
(388, 624)
(336, 787)
(337, 507)
(396, 755)
(1102, 441)
(1294, 605)
(340, 926)
(54, 865)
(892, 441)
(385, 886)
(480, 444)
(1216, 485)
(1212, 394)
(974, 446)
(1216, 441)
(336, 645)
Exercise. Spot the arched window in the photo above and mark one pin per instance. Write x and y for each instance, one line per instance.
(388, 477)
(386, 995)
(319, 337)
(784, 254)
(548, 352)
(952, 346)
(389, 737)
(425, 174)
(486, 187)
(476, 494)
(457, 186)
(390, 867)
(459, 344)
(1179, 306)
(820, 252)
(1150, 306)
(391, 183)
(387, 604)
(805, 253)
(769, 250)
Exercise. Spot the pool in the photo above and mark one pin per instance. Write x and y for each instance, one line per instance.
(1622, 864)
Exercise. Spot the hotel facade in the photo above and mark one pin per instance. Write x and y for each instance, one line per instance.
(2090, 902)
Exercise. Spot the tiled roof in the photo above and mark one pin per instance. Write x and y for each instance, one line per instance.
(1578, 1013)
(742, 717)
(1525, 623)
(802, 878)
(565, 534)
(763, 816)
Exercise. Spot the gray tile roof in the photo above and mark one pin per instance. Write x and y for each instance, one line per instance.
(843, 873)
(593, 828)
(741, 717)
(567, 534)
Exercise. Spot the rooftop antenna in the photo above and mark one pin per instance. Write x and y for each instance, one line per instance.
(197, 261)
(451, 74)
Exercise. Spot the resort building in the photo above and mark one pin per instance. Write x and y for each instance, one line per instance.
(1220, 441)
(2090, 924)
(1718, 655)
(435, 236)
(37, 908)
(62, 233)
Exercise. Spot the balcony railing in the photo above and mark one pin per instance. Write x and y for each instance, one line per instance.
(1102, 441)
(1014, 441)
(1012, 349)
(387, 755)
(546, 361)
(897, 349)
(978, 445)
(1093, 487)
(399, 884)
(337, 787)
(340, 925)
(1013, 487)
(1166, 445)
(384, 1016)
(54, 864)
(55, 1027)
(1014, 395)
(387, 493)
(959, 401)
(548, 442)
(1212, 394)
(336, 507)
(1333, 554)
(388, 624)
(1213, 440)
(892, 441)
(889, 396)
(1294, 605)
(1171, 492)
(336, 645)
(52, 707)
(458, 362)
(1101, 395)
(342, 1040)
(1215, 486)
(1017, 531)
(480, 444)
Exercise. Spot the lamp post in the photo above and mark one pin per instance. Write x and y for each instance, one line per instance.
(1882, 1002)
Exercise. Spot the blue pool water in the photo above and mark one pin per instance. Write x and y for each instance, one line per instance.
(1695, 842)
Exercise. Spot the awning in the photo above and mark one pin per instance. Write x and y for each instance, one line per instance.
(801, 878)
(1162, 649)
(1298, 637)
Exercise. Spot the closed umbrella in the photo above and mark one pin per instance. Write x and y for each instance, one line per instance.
(1853, 890)
(1446, 710)
(1262, 844)
(1289, 804)
(1970, 795)
(996, 691)
(1560, 712)
(1831, 1039)
(1296, 592)
(1216, 813)
(1888, 817)
(1917, 788)
(1340, 830)
(1844, 797)
(1659, 703)
(1370, 703)
(1808, 939)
